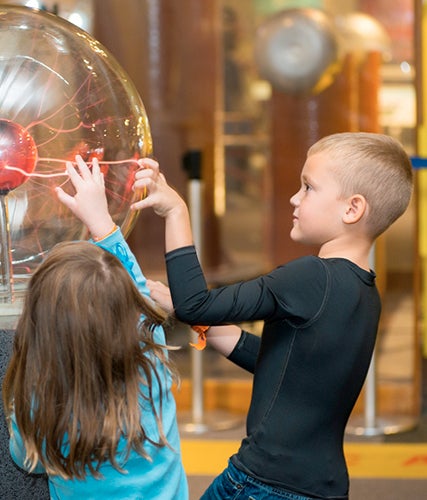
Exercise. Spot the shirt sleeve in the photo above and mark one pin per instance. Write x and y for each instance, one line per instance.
(116, 244)
(292, 292)
(245, 352)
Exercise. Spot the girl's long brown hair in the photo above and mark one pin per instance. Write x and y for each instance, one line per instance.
(80, 356)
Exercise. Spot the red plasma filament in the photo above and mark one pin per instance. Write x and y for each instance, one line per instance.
(18, 155)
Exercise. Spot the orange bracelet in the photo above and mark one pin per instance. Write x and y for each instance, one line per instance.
(106, 235)
(201, 332)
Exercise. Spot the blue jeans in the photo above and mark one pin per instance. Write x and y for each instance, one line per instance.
(233, 484)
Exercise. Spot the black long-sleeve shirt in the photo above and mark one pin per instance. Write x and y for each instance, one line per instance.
(320, 323)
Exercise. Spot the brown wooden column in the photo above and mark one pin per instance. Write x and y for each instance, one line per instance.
(349, 104)
(294, 127)
(298, 121)
(369, 86)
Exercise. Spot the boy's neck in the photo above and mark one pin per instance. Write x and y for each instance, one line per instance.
(358, 252)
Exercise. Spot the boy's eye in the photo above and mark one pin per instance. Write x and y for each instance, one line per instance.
(307, 187)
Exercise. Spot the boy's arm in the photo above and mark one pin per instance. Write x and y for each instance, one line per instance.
(222, 338)
(245, 352)
(235, 344)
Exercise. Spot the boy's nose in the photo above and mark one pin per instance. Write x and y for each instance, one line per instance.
(294, 200)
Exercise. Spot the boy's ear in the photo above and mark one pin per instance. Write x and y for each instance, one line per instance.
(355, 209)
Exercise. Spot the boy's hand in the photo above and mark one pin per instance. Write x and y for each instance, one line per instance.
(89, 203)
(165, 201)
(155, 191)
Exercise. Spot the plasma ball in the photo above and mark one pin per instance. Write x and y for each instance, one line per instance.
(18, 151)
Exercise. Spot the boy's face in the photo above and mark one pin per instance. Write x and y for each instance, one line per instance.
(318, 205)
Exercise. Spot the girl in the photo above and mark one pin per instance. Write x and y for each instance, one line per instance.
(87, 392)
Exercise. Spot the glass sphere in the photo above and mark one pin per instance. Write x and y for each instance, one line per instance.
(65, 94)
(296, 50)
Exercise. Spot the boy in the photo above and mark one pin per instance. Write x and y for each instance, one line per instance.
(320, 315)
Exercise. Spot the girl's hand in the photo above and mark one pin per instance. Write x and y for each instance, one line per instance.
(160, 293)
(89, 204)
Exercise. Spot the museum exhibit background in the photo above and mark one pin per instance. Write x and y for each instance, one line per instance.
(61, 94)
(194, 66)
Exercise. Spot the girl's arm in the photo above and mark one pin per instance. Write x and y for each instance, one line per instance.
(17, 449)
(89, 204)
(116, 244)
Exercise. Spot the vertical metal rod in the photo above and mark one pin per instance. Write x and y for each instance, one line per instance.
(195, 205)
(372, 424)
(192, 162)
(371, 382)
(371, 395)
(6, 274)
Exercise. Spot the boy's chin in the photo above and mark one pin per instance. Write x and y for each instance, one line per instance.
(294, 235)
(299, 238)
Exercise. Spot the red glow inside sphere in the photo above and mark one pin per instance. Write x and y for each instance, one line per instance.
(18, 155)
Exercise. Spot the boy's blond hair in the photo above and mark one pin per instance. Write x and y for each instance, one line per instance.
(375, 166)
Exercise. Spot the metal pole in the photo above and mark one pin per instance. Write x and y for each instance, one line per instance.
(194, 199)
(192, 165)
(6, 275)
(370, 395)
(198, 421)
